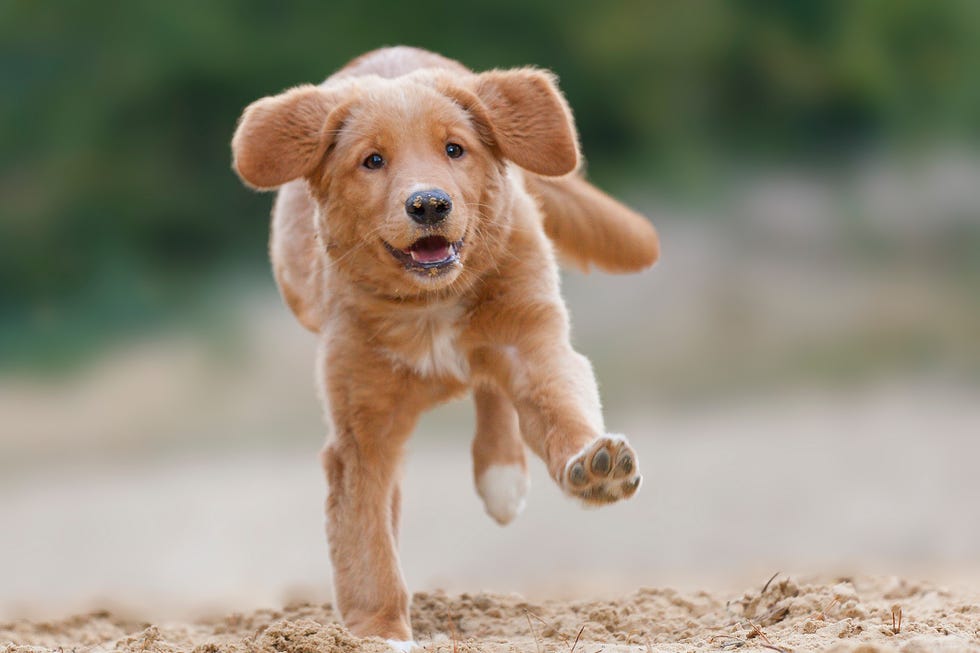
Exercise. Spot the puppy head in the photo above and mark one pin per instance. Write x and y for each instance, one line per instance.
(409, 173)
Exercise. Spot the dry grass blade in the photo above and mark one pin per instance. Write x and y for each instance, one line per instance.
(766, 586)
(768, 642)
(553, 628)
(537, 644)
(896, 618)
(577, 637)
(777, 614)
(822, 613)
(452, 629)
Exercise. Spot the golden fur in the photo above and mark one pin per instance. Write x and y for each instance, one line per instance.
(397, 339)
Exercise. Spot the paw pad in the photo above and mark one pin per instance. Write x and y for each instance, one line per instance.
(601, 462)
(605, 471)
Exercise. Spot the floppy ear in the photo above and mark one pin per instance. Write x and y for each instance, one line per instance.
(284, 137)
(528, 119)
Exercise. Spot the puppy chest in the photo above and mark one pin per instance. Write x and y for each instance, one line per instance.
(427, 341)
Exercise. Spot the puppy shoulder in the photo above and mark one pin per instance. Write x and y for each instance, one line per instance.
(293, 245)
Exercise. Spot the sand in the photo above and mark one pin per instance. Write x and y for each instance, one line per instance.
(793, 409)
(843, 614)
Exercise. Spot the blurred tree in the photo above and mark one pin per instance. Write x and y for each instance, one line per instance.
(116, 116)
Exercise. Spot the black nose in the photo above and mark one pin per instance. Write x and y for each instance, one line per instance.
(428, 206)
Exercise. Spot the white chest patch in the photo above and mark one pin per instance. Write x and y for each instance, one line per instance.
(427, 340)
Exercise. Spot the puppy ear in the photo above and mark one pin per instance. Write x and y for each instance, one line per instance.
(529, 119)
(284, 137)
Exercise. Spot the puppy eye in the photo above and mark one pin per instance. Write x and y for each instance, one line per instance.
(374, 161)
(454, 150)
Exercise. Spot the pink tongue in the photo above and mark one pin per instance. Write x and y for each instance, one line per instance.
(430, 250)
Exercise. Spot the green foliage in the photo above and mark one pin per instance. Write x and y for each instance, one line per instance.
(116, 115)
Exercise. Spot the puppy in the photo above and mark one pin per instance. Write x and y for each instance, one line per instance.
(413, 232)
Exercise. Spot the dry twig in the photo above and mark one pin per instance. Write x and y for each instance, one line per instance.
(452, 629)
(766, 586)
(896, 618)
(571, 645)
(537, 644)
(575, 643)
(768, 642)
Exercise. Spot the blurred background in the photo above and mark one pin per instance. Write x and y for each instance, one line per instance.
(800, 373)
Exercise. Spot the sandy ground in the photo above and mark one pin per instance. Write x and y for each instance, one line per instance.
(791, 415)
(815, 486)
(784, 614)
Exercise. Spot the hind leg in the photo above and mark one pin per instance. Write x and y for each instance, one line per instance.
(499, 463)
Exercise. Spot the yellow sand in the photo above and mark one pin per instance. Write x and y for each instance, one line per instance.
(830, 615)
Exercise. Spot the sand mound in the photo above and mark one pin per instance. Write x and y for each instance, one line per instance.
(843, 615)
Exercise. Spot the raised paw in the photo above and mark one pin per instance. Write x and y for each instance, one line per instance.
(605, 471)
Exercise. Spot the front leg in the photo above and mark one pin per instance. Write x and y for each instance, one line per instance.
(373, 409)
(554, 391)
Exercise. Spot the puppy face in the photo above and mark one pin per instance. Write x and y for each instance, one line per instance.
(409, 173)
(404, 186)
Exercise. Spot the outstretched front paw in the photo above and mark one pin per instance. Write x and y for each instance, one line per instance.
(604, 471)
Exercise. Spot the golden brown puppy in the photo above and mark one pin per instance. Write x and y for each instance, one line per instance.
(413, 233)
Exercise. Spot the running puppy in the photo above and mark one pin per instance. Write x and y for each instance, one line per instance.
(418, 207)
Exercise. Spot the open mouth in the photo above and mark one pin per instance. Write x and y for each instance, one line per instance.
(431, 254)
